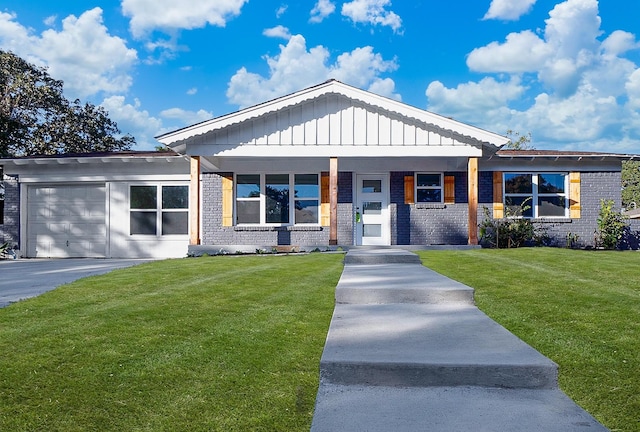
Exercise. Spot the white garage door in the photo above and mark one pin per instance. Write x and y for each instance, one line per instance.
(66, 221)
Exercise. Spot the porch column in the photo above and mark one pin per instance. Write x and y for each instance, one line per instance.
(333, 201)
(194, 202)
(472, 172)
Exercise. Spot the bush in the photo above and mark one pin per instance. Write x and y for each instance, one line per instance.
(512, 231)
(612, 226)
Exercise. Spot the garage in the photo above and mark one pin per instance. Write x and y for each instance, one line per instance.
(66, 221)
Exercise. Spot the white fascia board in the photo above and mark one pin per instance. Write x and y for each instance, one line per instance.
(335, 151)
(174, 139)
(102, 178)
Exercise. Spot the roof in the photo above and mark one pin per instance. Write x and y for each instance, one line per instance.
(94, 157)
(343, 115)
(508, 153)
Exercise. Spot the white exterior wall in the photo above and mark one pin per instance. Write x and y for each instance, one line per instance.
(123, 245)
(112, 178)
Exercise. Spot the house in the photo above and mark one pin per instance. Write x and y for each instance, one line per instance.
(335, 165)
(328, 166)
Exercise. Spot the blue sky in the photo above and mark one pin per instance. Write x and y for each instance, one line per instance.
(568, 72)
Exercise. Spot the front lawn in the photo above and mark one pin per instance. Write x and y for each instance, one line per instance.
(579, 308)
(199, 344)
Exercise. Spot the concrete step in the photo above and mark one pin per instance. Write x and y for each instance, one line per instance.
(447, 409)
(380, 256)
(421, 345)
(398, 283)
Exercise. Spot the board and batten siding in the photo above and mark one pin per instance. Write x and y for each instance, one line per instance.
(332, 120)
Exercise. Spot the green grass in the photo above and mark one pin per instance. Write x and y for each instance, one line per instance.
(200, 344)
(579, 308)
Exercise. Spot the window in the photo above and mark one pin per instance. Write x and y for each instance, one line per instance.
(429, 188)
(541, 195)
(268, 199)
(159, 210)
(306, 199)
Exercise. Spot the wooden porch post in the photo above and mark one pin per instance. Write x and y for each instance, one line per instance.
(194, 202)
(473, 200)
(333, 201)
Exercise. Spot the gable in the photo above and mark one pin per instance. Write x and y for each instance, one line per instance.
(348, 121)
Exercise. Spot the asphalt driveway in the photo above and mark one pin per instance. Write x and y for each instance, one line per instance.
(25, 278)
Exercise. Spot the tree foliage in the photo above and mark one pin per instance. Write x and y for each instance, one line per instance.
(631, 184)
(36, 118)
(517, 141)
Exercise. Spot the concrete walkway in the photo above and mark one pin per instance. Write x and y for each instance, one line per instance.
(407, 350)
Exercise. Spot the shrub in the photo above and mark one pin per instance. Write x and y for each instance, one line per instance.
(611, 226)
(512, 231)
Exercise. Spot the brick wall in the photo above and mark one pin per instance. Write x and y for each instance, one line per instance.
(213, 233)
(10, 229)
(594, 186)
(429, 224)
(416, 224)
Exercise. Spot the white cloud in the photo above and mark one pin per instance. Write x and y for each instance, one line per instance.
(169, 15)
(321, 10)
(361, 67)
(277, 32)
(372, 12)
(186, 117)
(83, 54)
(633, 89)
(281, 10)
(569, 47)
(481, 102)
(50, 20)
(510, 10)
(297, 67)
(192, 91)
(588, 94)
(510, 56)
(619, 42)
(134, 120)
(581, 117)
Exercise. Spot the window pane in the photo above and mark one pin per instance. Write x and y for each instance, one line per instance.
(518, 183)
(551, 183)
(175, 197)
(277, 191)
(372, 208)
(248, 212)
(248, 186)
(371, 186)
(372, 230)
(306, 211)
(175, 223)
(142, 223)
(306, 186)
(429, 195)
(551, 206)
(143, 197)
(428, 180)
(519, 206)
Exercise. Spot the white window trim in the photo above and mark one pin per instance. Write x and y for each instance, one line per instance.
(263, 200)
(158, 210)
(416, 187)
(535, 195)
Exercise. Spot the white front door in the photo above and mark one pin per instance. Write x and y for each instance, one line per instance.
(372, 210)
